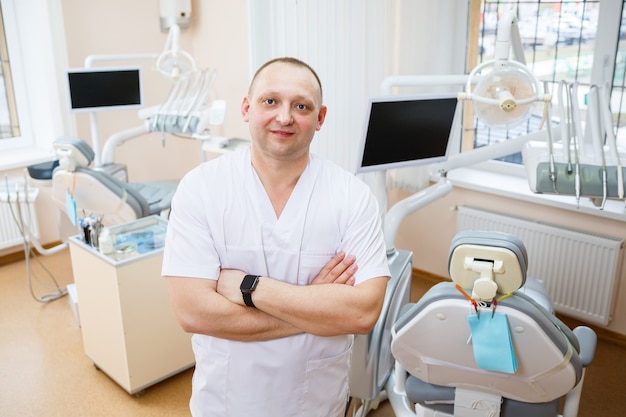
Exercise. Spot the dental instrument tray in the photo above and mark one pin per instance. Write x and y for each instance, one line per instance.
(141, 236)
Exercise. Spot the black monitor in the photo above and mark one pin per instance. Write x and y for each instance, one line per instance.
(97, 89)
(403, 131)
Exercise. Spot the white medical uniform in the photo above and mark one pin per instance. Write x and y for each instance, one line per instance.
(222, 218)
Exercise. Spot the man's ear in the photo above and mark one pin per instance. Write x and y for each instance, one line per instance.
(245, 108)
(321, 116)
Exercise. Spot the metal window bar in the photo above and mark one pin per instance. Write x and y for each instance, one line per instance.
(619, 76)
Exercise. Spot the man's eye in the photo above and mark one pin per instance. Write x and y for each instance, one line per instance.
(301, 106)
(270, 101)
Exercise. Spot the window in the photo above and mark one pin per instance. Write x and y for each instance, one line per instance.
(9, 124)
(32, 103)
(559, 42)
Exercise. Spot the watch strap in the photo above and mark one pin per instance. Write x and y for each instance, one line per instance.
(248, 285)
(247, 299)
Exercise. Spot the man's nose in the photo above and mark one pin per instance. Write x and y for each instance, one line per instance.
(284, 115)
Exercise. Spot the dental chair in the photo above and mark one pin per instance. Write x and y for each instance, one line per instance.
(103, 191)
(480, 347)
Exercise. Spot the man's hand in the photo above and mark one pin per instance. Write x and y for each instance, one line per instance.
(339, 270)
(228, 285)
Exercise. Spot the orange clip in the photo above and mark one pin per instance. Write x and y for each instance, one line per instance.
(466, 295)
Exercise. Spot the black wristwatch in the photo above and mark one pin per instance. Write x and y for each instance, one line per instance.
(247, 286)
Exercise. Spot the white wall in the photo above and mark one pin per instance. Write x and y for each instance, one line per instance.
(217, 38)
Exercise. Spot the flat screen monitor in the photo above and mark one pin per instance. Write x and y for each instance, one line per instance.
(402, 131)
(97, 89)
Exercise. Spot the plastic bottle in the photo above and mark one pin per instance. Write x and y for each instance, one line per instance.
(105, 243)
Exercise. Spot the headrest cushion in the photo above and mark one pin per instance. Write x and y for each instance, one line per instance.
(505, 251)
(73, 152)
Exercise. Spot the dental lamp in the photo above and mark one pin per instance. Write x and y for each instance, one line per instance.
(174, 62)
(505, 89)
(503, 97)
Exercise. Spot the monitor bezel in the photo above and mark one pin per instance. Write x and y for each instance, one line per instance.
(413, 162)
(79, 70)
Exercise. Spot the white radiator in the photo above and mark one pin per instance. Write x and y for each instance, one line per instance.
(10, 234)
(580, 270)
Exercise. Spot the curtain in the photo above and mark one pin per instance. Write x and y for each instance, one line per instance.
(353, 45)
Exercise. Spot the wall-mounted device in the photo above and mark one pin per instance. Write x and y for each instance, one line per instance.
(174, 12)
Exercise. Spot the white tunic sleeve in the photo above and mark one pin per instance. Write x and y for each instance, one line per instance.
(189, 249)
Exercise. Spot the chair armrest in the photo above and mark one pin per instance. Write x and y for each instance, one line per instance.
(588, 341)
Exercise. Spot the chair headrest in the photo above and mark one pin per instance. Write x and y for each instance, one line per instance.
(487, 263)
(73, 153)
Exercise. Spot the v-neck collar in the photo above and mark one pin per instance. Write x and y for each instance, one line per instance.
(297, 202)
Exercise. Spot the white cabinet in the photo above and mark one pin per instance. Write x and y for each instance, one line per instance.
(128, 326)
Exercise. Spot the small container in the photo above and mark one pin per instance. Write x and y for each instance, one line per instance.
(125, 250)
(157, 241)
(105, 243)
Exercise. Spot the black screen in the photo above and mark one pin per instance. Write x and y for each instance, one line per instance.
(106, 89)
(403, 131)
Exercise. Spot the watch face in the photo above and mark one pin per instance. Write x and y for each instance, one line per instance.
(249, 282)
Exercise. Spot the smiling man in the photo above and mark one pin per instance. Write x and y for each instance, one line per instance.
(274, 258)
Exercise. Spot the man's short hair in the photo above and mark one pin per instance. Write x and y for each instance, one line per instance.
(287, 60)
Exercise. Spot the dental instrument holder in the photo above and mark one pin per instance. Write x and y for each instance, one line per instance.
(18, 202)
(91, 227)
(591, 178)
(596, 173)
(595, 181)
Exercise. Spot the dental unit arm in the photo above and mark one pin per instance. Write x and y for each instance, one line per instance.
(156, 119)
(442, 186)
